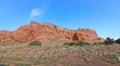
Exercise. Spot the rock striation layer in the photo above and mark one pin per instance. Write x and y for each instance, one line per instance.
(47, 33)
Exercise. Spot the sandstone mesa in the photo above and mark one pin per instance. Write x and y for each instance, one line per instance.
(47, 33)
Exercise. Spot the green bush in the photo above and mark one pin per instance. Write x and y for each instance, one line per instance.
(99, 43)
(35, 43)
(117, 41)
(80, 43)
(70, 44)
(23, 65)
(3, 65)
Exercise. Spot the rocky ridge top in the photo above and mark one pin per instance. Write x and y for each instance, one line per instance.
(47, 33)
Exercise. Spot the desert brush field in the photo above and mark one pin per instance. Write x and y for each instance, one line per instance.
(60, 55)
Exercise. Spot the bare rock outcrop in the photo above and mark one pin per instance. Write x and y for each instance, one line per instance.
(47, 33)
(5, 37)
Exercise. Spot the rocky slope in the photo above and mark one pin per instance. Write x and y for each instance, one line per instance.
(47, 33)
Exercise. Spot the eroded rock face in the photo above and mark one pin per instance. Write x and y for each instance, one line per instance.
(47, 33)
(5, 37)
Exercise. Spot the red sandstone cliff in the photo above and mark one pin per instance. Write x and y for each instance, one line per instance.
(47, 33)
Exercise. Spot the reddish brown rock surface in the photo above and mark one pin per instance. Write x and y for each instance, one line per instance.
(5, 37)
(47, 33)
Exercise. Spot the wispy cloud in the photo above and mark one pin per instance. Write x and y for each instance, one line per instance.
(41, 11)
(36, 13)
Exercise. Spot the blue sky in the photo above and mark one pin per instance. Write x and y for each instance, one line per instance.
(100, 15)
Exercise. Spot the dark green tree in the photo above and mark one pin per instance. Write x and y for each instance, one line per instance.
(117, 41)
(109, 41)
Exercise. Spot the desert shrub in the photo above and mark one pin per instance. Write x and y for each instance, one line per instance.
(80, 43)
(1, 58)
(35, 43)
(3, 65)
(22, 65)
(99, 43)
(109, 41)
(70, 44)
(117, 41)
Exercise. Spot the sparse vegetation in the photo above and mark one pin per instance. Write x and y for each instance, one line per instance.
(35, 43)
(115, 56)
(22, 65)
(109, 61)
(80, 43)
(77, 54)
(3, 65)
(1, 58)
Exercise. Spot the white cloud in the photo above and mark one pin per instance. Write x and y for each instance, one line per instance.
(36, 12)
